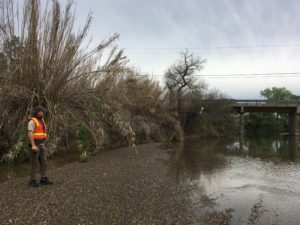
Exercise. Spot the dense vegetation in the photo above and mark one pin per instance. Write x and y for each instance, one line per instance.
(95, 101)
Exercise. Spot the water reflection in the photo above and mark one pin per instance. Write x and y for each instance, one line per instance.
(240, 181)
(284, 148)
(194, 157)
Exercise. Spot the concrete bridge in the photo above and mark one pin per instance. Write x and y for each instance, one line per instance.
(252, 105)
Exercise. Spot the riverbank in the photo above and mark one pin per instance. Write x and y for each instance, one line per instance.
(116, 187)
(200, 181)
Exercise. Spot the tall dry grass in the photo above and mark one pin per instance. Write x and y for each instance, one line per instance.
(43, 61)
(47, 64)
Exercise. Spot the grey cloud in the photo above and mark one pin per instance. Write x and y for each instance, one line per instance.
(197, 23)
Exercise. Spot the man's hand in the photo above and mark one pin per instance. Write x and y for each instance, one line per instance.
(34, 148)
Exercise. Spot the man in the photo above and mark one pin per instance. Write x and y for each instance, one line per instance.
(37, 134)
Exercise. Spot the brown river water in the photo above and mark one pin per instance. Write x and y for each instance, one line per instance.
(247, 181)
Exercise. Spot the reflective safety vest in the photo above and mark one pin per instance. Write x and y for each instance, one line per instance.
(40, 131)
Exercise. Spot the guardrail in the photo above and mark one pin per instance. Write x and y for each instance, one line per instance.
(265, 102)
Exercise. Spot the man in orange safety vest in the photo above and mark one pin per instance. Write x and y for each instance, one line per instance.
(37, 134)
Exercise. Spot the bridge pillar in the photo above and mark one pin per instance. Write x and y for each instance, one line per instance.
(242, 143)
(293, 123)
(242, 121)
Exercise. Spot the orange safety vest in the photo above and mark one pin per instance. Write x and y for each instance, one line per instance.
(39, 132)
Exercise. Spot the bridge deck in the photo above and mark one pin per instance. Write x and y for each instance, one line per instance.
(267, 102)
(267, 106)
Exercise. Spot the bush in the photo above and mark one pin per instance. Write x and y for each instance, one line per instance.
(84, 141)
(208, 113)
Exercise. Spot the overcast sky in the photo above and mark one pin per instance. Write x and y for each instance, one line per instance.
(258, 36)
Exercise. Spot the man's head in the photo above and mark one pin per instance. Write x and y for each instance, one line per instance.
(39, 111)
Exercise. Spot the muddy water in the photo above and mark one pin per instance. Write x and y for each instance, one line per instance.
(245, 181)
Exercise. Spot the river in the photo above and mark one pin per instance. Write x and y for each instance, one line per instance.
(245, 181)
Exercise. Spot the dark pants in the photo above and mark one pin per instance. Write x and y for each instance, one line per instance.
(35, 157)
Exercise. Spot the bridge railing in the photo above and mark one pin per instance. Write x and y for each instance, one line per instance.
(265, 102)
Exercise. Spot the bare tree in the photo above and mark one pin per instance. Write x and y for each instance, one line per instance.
(181, 76)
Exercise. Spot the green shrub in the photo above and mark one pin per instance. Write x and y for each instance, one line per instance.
(84, 140)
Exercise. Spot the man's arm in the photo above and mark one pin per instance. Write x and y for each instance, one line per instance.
(31, 127)
(30, 137)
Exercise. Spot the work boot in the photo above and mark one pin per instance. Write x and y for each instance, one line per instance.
(45, 181)
(33, 183)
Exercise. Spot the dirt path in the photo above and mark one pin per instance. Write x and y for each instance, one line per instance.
(116, 187)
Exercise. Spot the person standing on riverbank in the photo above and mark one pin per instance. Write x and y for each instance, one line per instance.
(37, 134)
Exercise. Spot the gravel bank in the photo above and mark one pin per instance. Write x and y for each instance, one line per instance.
(115, 187)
